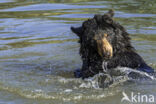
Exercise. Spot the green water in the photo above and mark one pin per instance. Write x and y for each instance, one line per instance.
(38, 52)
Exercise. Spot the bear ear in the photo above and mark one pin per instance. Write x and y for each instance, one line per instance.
(110, 13)
(107, 18)
(78, 31)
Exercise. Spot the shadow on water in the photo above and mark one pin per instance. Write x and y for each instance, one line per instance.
(38, 52)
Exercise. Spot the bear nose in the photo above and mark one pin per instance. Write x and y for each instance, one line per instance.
(108, 55)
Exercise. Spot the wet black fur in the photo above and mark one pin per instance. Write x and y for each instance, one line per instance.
(124, 53)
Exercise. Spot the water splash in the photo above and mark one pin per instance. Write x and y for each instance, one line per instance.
(116, 76)
(132, 73)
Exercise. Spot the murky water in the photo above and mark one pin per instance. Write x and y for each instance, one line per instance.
(38, 52)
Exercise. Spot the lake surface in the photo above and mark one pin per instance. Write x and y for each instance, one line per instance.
(38, 52)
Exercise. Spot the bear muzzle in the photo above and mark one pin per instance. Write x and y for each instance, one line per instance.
(104, 48)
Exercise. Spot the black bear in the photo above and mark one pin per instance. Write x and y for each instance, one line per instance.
(104, 40)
